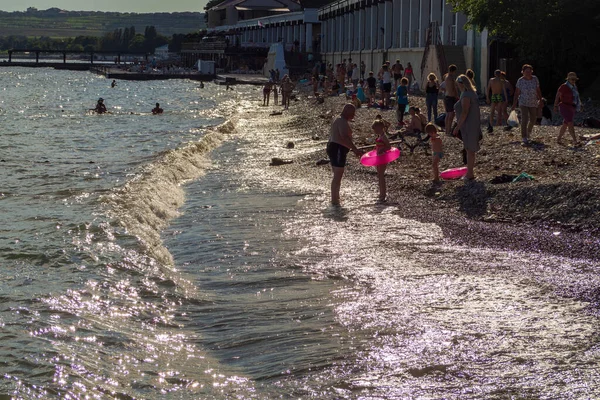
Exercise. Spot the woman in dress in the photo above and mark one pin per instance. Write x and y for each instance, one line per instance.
(468, 121)
(567, 102)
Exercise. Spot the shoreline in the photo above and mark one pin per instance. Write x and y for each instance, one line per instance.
(557, 213)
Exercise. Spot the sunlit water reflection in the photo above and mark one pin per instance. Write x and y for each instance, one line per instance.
(157, 258)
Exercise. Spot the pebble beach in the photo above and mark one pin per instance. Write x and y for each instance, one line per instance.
(556, 212)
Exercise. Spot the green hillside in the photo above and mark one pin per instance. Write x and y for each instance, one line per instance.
(58, 23)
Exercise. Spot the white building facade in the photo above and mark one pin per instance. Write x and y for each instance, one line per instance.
(375, 31)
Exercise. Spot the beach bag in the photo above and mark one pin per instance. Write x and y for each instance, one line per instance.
(513, 119)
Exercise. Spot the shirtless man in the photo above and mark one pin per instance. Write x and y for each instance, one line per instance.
(451, 97)
(339, 144)
(499, 96)
(397, 70)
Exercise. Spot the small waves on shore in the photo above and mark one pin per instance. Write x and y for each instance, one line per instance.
(415, 315)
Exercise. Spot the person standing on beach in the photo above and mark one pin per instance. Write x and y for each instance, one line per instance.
(267, 92)
(275, 91)
(286, 91)
(409, 74)
(372, 88)
(397, 69)
(363, 70)
(385, 76)
(498, 97)
(567, 102)
(402, 100)
(468, 121)
(432, 88)
(382, 144)
(529, 96)
(451, 97)
(339, 144)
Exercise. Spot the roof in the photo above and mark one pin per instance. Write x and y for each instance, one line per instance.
(275, 5)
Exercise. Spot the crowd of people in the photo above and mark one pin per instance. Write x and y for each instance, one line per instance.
(462, 117)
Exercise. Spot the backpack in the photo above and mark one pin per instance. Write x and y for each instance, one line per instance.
(591, 122)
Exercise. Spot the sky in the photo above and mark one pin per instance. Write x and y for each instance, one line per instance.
(138, 6)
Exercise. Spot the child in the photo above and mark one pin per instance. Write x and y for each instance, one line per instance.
(382, 144)
(402, 99)
(275, 93)
(416, 122)
(437, 149)
(546, 119)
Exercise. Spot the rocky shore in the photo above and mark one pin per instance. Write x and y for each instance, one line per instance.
(557, 212)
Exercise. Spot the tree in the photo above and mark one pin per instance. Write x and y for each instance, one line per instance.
(209, 5)
(555, 36)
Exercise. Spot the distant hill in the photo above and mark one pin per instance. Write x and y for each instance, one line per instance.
(57, 23)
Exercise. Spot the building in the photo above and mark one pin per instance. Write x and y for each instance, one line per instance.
(241, 33)
(230, 12)
(426, 33)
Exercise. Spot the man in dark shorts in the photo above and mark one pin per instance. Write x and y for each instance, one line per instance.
(340, 143)
(451, 97)
(397, 69)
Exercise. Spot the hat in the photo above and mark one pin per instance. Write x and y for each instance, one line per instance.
(572, 75)
(497, 72)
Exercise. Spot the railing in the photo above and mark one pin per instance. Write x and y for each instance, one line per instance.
(416, 37)
(451, 35)
(204, 46)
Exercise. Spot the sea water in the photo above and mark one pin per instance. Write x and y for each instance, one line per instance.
(160, 257)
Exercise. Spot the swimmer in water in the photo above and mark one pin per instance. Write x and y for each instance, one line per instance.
(157, 109)
(100, 106)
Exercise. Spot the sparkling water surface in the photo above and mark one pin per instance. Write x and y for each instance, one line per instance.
(157, 257)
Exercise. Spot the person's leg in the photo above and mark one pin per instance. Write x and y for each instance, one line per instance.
(470, 164)
(435, 105)
(429, 104)
(524, 122)
(436, 170)
(382, 185)
(336, 183)
(448, 122)
(561, 132)
(533, 112)
(492, 110)
(571, 128)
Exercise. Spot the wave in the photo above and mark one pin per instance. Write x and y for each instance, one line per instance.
(145, 205)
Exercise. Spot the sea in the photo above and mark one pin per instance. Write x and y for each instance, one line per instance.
(160, 257)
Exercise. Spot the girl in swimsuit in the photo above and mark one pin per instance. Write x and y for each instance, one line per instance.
(437, 149)
(382, 144)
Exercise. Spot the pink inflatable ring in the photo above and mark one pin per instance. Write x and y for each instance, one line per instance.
(453, 173)
(372, 159)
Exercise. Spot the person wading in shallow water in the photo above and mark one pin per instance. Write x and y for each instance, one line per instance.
(340, 143)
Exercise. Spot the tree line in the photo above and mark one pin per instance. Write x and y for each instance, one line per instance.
(122, 40)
